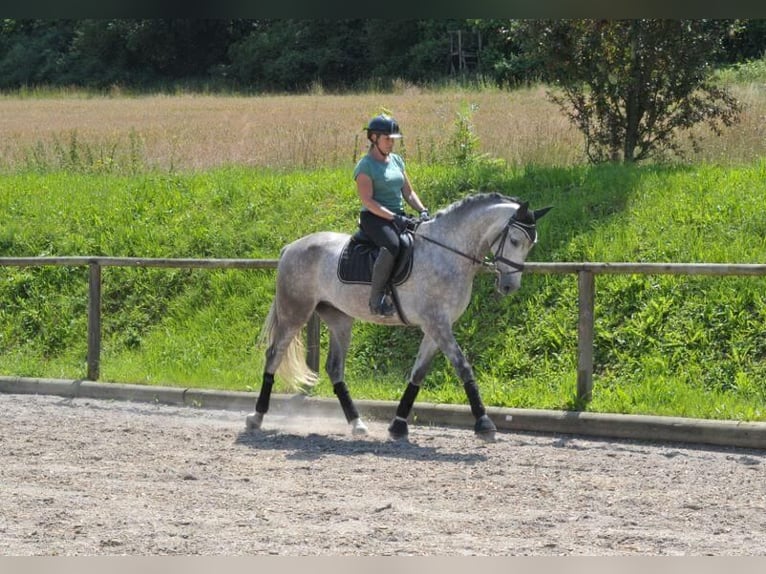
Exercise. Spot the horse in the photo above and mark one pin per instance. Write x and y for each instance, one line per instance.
(447, 252)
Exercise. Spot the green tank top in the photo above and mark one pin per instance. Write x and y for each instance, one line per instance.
(387, 180)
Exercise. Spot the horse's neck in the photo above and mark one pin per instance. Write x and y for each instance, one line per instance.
(476, 230)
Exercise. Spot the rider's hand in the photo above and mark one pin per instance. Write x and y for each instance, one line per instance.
(403, 223)
(424, 216)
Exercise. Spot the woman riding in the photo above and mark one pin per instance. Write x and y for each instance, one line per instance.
(383, 187)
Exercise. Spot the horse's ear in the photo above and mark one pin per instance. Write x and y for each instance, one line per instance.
(538, 213)
(522, 212)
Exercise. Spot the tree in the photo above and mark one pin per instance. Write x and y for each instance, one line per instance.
(31, 51)
(177, 48)
(748, 44)
(631, 85)
(339, 54)
(294, 54)
(503, 56)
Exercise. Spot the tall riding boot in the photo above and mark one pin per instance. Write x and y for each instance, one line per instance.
(381, 271)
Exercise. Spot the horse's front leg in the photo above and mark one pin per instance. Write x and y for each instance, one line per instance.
(445, 339)
(398, 429)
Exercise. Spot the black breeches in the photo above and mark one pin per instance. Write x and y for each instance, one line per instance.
(381, 231)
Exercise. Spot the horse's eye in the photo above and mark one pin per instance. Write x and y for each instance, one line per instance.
(515, 242)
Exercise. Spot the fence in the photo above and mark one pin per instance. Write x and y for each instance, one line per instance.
(586, 273)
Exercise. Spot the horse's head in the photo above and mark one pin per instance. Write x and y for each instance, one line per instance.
(513, 245)
(488, 222)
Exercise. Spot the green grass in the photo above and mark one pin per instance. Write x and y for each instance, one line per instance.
(685, 346)
(753, 71)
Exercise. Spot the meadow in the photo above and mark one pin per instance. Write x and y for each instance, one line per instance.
(228, 176)
(113, 133)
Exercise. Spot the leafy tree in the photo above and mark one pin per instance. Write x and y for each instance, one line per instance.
(98, 56)
(387, 44)
(293, 54)
(631, 85)
(32, 51)
(748, 44)
(504, 58)
(178, 48)
(340, 54)
(101, 52)
(413, 50)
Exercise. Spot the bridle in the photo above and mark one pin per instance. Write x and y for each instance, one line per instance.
(497, 257)
(529, 230)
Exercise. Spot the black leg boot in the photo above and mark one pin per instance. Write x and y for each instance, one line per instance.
(381, 271)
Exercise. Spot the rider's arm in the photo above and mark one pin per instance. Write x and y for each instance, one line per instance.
(410, 196)
(364, 189)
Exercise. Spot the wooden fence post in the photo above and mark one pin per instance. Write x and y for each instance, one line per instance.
(94, 322)
(587, 295)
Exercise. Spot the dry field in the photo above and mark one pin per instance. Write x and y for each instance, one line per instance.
(197, 132)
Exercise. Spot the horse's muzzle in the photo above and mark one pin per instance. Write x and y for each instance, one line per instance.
(507, 283)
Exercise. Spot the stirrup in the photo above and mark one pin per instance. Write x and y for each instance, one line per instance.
(382, 308)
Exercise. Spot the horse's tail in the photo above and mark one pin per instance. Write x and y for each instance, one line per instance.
(293, 367)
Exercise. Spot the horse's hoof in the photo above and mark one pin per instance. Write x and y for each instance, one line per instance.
(253, 421)
(358, 428)
(487, 436)
(398, 429)
(485, 429)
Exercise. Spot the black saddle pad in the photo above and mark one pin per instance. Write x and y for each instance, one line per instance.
(358, 257)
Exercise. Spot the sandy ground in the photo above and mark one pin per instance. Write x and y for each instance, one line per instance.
(90, 477)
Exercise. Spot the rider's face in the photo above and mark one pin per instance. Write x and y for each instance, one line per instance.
(385, 143)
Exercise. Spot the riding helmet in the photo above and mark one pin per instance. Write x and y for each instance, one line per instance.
(383, 124)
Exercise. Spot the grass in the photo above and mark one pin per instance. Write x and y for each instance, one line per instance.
(230, 176)
(129, 135)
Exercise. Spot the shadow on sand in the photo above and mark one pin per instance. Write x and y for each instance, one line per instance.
(314, 446)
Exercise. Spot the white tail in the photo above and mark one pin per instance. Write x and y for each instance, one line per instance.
(292, 367)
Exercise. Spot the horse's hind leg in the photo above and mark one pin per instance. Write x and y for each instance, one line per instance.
(398, 429)
(339, 325)
(255, 419)
(281, 336)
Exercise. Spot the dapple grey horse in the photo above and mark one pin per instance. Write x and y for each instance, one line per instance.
(448, 252)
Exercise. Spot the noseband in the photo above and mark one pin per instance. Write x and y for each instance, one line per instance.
(497, 257)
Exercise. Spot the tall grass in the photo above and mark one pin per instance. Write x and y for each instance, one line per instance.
(188, 132)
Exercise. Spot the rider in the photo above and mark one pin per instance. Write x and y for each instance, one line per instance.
(383, 186)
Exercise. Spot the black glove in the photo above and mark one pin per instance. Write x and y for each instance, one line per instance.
(424, 216)
(403, 223)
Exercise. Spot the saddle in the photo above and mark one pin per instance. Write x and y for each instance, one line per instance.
(359, 254)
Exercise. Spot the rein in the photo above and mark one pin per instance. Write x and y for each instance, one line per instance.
(497, 257)
(458, 252)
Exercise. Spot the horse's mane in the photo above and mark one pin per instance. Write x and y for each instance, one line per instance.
(476, 199)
